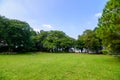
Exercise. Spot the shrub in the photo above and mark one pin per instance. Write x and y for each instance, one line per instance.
(105, 52)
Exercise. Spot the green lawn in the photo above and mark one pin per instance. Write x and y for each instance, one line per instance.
(48, 66)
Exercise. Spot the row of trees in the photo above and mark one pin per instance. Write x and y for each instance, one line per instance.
(17, 36)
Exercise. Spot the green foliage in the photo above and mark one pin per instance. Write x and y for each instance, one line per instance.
(105, 52)
(15, 35)
(46, 66)
(109, 26)
(39, 40)
(89, 41)
(58, 40)
(80, 43)
(53, 41)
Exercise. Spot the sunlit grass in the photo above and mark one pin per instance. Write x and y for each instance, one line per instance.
(48, 66)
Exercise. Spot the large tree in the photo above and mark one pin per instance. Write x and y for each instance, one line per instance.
(67, 43)
(15, 35)
(3, 33)
(19, 34)
(89, 41)
(109, 26)
(39, 40)
(80, 43)
(57, 41)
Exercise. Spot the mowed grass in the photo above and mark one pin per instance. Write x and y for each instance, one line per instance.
(51, 66)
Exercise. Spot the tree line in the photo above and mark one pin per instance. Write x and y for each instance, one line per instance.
(18, 36)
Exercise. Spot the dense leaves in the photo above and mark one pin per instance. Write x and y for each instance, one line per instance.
(89, 42)
(53, 41)
(18, 36)
(109, 26)
(15, 35)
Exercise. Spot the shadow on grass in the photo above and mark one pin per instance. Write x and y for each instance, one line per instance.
(118, 57)
(16, 53)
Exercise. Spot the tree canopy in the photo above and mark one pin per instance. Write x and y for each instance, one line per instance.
(16, 35)
(89, 41)
(109, 26)
(53, 41)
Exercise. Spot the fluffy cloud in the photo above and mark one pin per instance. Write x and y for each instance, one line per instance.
(47, 26)
(37, 30)
(19, 9)
(98, 15)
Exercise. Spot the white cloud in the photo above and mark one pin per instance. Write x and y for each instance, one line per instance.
(98, 15)
(37, 30)
(47, 26)
(20, 9)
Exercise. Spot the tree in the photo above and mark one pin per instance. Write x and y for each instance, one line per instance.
(109, 26)
(39, 40)
(3, 33)
(80, 43)
(89, 41)
(15, 35)
(53, 40)
(67, 43)
(19, 35)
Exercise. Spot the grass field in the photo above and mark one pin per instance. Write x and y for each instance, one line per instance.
(48, 66)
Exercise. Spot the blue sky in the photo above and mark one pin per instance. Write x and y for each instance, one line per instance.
(70, 16)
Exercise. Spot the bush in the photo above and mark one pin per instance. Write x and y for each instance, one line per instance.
(105, 52)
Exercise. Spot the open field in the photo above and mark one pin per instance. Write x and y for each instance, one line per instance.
(48, 66)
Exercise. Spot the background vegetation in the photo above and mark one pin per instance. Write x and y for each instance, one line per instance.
(18, 36)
